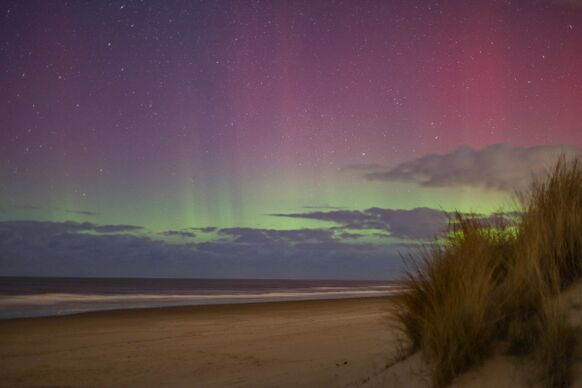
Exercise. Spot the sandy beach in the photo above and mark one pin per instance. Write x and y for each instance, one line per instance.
(339, 343)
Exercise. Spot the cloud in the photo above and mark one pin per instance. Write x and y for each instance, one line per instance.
(349, 219)
(51, 228)
(416, 224)
(497, 167)
(270, 236)
(112, 228)
(31, 248)
(419, 223)
(347, 235)
(206, 229)
(179, 233)
(82, 212)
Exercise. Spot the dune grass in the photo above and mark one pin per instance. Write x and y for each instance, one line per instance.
(492, 281)
(555, 347)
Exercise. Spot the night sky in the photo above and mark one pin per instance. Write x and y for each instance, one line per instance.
(310, 139)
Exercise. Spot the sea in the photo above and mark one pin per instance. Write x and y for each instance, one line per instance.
(28, 297)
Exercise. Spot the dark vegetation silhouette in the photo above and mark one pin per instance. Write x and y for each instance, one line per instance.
(497, 283)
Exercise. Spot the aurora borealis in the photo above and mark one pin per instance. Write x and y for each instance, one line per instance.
(270, 138)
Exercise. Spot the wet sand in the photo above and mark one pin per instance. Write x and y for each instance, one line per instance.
(339, 343)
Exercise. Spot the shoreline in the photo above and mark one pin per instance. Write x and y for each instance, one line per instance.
(206, 308)
(46, 305)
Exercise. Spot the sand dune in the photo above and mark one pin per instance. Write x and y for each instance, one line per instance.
(499, 371)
